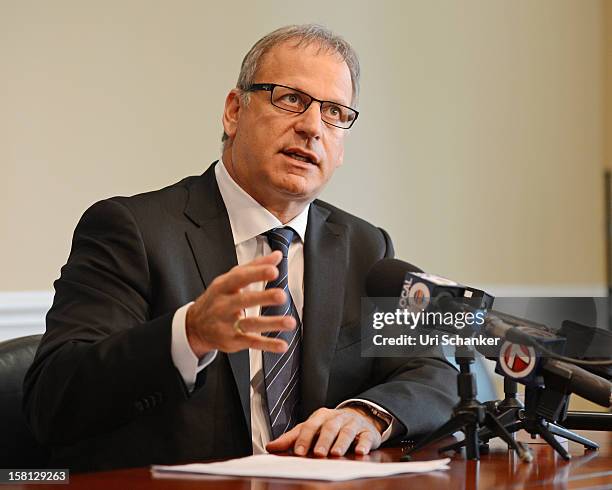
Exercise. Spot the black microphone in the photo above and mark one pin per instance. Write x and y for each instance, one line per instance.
(393, 278)
(417, 290)
(579, 381)
(386, 277)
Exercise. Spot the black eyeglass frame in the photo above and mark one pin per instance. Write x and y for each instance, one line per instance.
(269, 87)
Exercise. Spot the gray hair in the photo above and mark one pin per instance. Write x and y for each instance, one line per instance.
(305, 35)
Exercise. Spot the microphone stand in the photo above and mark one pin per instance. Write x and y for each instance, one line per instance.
(542, 410)
(543, 407)
(470, 416)
(507, 411)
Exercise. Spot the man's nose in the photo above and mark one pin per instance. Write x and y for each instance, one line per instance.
(309, 122)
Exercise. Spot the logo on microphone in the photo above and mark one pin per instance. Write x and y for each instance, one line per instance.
(419, 296)
(517, 360)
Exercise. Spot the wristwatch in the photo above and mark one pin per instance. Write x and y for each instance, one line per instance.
(383, 417)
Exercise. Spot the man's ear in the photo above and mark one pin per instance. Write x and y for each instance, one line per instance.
(231, 112)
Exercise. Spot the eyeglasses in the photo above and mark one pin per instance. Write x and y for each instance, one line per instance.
(293, 100)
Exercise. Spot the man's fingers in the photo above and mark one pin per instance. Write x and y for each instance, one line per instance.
(272, 258)
(330, 431)
(246, 299)
(345, 438)
(259, 342)
(255, 267)
(366, 441)
(265, 324)
(308, 431)
(241, 276)
(285, 441)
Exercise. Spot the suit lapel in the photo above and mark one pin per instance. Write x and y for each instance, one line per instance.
(325, 262)
(212, 244)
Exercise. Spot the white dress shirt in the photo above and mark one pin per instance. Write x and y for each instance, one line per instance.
(248, 221)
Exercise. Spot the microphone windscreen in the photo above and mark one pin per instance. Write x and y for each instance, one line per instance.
(386, 278)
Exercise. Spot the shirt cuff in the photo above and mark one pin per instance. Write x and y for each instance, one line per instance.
(184, 359)
(395, 427)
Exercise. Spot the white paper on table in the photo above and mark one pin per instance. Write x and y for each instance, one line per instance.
(291, 467)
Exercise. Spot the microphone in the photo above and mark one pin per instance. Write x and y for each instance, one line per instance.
(386, 277)
(518, 357)
(574, 379)
(393, 278)
(418, 291)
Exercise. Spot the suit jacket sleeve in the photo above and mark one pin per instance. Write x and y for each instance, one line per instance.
(417, 391)
(103, 360)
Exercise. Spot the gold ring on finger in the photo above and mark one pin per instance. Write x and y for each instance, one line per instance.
(237, 327)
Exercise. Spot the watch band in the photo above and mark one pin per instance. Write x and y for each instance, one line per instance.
(384, 417)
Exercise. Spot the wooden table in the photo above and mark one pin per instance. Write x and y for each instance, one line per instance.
(499, 470)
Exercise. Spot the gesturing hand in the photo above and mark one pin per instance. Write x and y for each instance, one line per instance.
(216, 319)
(333, 429)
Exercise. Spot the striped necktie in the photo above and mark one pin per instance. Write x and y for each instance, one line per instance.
(282, 371)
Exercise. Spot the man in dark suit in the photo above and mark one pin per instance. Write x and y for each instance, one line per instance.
(154, 350)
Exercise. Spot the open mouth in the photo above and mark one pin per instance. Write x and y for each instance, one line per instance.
(299, 156)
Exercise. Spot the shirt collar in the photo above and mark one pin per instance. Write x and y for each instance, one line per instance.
(247, 217)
